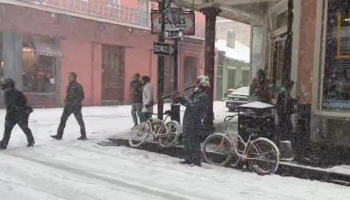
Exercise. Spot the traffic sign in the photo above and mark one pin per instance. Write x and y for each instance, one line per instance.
(161, 48)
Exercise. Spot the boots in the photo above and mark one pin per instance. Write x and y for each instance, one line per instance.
(185, 162)
(31, 143)
(3, 146)
(83, 137)
(57, 137)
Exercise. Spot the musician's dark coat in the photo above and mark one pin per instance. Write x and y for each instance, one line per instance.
(192, 124)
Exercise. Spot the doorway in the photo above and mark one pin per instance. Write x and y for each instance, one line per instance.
(278, 59)
(113, 73)
(231, 78)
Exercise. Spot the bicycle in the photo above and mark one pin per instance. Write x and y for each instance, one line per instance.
(250, 152)
(166, 132)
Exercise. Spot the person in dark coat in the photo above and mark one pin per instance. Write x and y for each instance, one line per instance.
(17, 112)
(260, 89)
(192, 121)
(136, 92)
(73, 105)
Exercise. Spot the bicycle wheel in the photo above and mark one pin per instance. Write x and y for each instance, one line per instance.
(141, 132)
(217, 149)
(263, 156)
(168, 134)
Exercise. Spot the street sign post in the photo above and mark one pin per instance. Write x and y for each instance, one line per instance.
(163, 49)
(176, 33)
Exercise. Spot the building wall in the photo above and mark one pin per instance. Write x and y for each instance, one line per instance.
(306, 55)
(81, 43)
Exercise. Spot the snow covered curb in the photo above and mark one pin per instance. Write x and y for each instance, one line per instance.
(285, 168)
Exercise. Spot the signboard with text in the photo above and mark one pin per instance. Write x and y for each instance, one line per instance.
(163, 49)
(186, 23)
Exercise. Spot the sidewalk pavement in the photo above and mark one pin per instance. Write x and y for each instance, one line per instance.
(285, 168)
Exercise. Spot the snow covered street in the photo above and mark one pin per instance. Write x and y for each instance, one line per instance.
(82, 170)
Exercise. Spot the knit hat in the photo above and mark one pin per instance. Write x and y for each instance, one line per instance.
(7, 83)
(202, 81)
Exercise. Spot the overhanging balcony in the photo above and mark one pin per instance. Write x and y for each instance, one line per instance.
(244, 11)
(99, 10)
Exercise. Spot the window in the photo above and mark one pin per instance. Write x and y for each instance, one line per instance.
(38, 72)
(190, 70)
(143, 4)
(112, 3)
(143, 12)
(39, 64)
(336, 79)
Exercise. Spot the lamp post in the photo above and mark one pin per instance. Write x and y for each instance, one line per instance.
(161, 63)
(173, 14)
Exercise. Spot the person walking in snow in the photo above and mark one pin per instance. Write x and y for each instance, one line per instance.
(73, 105)
(147, 99)
(136, 92)
(17, 112)
(192, 121)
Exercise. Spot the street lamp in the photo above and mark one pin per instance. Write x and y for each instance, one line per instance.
(173, 13)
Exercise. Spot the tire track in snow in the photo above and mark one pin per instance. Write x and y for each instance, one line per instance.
(119, 183)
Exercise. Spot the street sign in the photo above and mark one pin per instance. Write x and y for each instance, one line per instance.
(164, 49)
(176, 33)
(186, 22)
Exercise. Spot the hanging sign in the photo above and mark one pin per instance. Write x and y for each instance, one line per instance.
(186, 23)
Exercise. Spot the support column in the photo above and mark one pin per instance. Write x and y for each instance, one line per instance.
(12, 57)
(209, 57)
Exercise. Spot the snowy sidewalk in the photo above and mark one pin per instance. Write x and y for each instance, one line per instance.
(82, 170)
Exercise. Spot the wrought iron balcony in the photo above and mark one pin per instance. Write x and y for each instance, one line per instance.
(107, 9)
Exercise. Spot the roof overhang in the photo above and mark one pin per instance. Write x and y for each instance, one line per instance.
(244, 11)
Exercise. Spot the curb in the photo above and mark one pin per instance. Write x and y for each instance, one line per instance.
(284, 169)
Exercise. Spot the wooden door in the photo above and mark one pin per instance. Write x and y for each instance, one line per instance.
(113, 72)
(278, 59)
(231, 78)
(168, 74)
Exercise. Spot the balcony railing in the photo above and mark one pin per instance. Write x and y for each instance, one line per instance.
(108, 10)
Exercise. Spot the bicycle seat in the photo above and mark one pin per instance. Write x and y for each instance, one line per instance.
(168, 112)
(155, 121)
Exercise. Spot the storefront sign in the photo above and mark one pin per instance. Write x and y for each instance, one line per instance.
(186, 22)
(336, 104)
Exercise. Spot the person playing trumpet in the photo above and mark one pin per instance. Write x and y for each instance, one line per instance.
(192, 121)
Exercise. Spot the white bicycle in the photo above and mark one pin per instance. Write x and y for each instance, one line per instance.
(165, 132)
(232, 146)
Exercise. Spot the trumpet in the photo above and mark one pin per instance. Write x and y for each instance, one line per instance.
(174, 93)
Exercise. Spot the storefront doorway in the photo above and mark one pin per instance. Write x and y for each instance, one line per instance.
(113, 73)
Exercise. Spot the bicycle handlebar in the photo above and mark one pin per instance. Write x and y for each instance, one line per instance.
(229, 118)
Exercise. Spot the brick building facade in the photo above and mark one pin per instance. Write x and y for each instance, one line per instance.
(105, 44)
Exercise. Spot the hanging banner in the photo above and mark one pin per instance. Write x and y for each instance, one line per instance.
(186, 22)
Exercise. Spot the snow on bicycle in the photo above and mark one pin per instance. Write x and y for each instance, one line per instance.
(252, 145)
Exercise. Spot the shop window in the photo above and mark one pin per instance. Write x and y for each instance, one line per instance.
(39, 56)
(190, 71)
(336, 79)
(38, 72)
